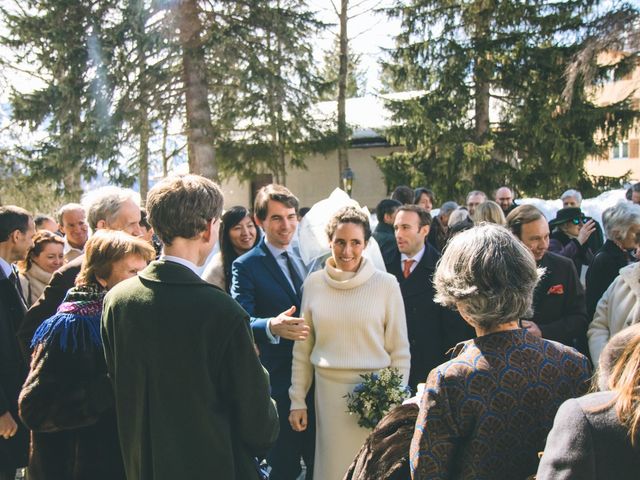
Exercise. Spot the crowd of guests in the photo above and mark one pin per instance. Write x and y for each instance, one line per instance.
(129, 349)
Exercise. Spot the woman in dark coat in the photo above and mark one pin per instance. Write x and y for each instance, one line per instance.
(622, 227)
(487, 412)
(570, 233)
(598, 436)
(67, 400)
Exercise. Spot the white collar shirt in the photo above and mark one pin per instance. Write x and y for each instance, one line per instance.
(182, 261)
(416, 259)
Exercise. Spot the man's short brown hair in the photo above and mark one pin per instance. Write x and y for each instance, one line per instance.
(274, 192)
(424, 217)
(182, 206)
(522, 215)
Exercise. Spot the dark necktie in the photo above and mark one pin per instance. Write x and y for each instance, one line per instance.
(13, 278)
(293, 274)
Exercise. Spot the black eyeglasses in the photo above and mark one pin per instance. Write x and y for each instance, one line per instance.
(579, 220)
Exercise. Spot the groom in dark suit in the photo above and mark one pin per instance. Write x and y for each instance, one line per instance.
(432, 329)
(267, 282)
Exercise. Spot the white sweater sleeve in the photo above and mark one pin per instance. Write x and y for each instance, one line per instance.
(599, 332)
(396, 340)
(302, 368)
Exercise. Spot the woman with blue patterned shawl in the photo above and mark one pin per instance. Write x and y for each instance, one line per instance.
(486, 413)
(67, 400)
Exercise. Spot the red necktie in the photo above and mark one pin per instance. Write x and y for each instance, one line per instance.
(406, 271)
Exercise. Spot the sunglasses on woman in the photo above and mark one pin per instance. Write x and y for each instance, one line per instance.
(579, 220)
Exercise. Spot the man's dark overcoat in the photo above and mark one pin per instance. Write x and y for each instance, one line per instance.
(191, 396)
(559, 307)
(432, 329)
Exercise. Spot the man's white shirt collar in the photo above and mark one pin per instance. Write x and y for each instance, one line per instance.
(6, 267)
(184, 262)
(417, 257)
(275, 251)
(67, 247)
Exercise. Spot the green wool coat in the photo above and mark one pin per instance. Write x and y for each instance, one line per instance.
(192, 398)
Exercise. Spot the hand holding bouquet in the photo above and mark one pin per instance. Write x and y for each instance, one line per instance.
(376, 396)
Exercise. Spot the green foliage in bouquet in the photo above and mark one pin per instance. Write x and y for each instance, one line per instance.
(376, 396)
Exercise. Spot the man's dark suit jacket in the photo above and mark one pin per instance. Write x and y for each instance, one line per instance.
(559, 307)
(432, 329)
(62, 280)
(13, 372)
(588, 442)
(260, 286)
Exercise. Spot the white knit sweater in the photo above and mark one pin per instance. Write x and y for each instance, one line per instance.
(357, 322)
(618, 308)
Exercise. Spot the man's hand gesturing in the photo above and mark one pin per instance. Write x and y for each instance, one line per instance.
(291, 328)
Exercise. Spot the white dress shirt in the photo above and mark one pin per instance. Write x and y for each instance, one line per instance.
(416, 259)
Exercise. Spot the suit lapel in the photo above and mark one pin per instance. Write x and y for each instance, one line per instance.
(12, 295)
(276, 272)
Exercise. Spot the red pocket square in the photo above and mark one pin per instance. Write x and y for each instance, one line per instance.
(556, 290)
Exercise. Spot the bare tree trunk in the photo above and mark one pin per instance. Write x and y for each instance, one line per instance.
(343, 140)
(165, 156)
(482, 79)
(200, 135)
(143, 113)
(143, 159)
(482, 89)
(72, 187)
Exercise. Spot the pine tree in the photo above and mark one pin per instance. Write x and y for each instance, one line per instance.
(64, 39)
(264, 100)
(492, 109)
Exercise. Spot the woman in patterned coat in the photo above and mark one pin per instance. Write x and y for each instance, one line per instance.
(67, 400)
(486, 413)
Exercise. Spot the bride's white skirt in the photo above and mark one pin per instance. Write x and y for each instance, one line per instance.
(338, 435)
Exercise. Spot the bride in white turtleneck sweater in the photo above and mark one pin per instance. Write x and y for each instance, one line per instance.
(357, 321)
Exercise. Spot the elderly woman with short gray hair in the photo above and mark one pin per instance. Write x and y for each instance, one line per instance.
(622, 228)
(486, 413)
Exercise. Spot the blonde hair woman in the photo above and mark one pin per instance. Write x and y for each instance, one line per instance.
(489, 212)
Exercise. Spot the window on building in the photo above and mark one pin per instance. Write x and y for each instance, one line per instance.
(620, 150)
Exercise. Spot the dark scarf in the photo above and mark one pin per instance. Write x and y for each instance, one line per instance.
(76, 324)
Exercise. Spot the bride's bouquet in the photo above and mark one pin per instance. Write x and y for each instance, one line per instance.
(376, 396)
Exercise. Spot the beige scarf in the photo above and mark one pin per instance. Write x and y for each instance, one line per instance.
(33, 282)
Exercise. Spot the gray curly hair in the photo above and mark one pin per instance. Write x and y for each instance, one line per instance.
(489, 274)
(617, 220)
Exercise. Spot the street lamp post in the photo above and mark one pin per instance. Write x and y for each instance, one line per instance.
(347, 180)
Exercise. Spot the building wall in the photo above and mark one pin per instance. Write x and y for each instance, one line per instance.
(625, 156)
(321, 177)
